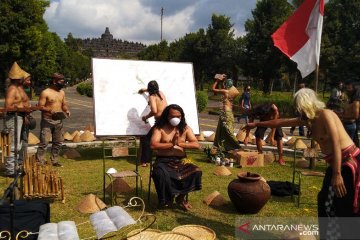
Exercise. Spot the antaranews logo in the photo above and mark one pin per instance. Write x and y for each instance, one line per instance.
(272, 228)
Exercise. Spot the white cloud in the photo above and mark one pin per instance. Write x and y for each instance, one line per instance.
(133, 21)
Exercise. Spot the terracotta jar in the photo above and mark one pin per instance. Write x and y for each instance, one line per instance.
(248, 193)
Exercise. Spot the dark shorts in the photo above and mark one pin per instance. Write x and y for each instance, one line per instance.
(260, 132)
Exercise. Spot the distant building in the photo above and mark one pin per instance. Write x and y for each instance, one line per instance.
(108, 47)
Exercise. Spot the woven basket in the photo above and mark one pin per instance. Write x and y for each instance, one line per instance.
(173, 236)
(197, 232)
(148, 234)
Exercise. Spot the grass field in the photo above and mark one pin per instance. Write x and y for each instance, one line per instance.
(85, 175)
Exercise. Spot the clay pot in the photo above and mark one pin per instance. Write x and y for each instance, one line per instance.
(248, 193)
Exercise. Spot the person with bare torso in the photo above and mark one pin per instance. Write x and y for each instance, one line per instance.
(224, 136)
(52, 102)
(339, 195)
(157, 103)
(172, 177)
(13, 101)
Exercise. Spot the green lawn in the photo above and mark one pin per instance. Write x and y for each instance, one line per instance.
(85, 175)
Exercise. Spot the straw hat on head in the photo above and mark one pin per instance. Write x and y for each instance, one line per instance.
(90, 204)
(15, 72)
(222, 171)
(25, 74)
(214, 199)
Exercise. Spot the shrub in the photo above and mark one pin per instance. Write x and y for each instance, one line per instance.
(85, 89)
(201, 100)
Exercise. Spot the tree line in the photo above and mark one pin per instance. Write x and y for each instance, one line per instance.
(25, 38)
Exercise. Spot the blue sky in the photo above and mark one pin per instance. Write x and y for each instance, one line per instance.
(139, 20)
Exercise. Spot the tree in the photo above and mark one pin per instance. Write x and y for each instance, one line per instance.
(340, 53)
(263, 60)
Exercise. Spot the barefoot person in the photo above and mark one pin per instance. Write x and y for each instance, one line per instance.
(171, 176)
(339, 195)
(267, 112)
(52, 101)
(13, 100)
(157, 103)
(224, 135)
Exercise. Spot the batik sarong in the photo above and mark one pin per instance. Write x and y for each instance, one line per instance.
(172, 177)
(224, 135)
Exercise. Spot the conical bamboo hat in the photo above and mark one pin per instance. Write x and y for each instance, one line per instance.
(241, 135)
(15, 72)
(74, 133)
(291, 141)
(87, 136)
(300, 145)
(211, 138)
(214, 199)
(119, 186)
(90, 204)
(77, 138)
(71, 154)
(221, 171)
(68, 136)
(33, 140)
(201, 137)
(25, 74)
(89, 127)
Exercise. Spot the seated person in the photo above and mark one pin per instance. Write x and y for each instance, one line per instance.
(172, 177)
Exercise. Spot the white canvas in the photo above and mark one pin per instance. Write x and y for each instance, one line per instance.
(118, 106)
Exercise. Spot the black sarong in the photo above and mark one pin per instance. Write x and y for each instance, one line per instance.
(172, 177)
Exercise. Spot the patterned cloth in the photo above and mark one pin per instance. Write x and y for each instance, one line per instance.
(172, 177)
(224, 135)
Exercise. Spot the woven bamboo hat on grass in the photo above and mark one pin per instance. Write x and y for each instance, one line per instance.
(77, 138)
(196, 232)
(241, 135)
(211, 138)
(172, 236)
(118, 186)
(299, 145)
(214, 199)
(222, 171)
(87, 136)
(148, 234)
(90, 204)
(15, 72)
(68, 136)
(201, 137)
(71, 154)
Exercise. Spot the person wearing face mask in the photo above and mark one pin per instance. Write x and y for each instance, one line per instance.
(53, 110)
(224, 135)
(339, 195)
(157, 103)
(173, 177)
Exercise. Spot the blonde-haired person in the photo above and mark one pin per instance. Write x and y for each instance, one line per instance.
(340, 190)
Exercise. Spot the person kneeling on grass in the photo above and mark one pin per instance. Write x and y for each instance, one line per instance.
(339, 195)
(172, 176)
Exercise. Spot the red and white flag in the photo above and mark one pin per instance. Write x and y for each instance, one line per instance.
(299, 37)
